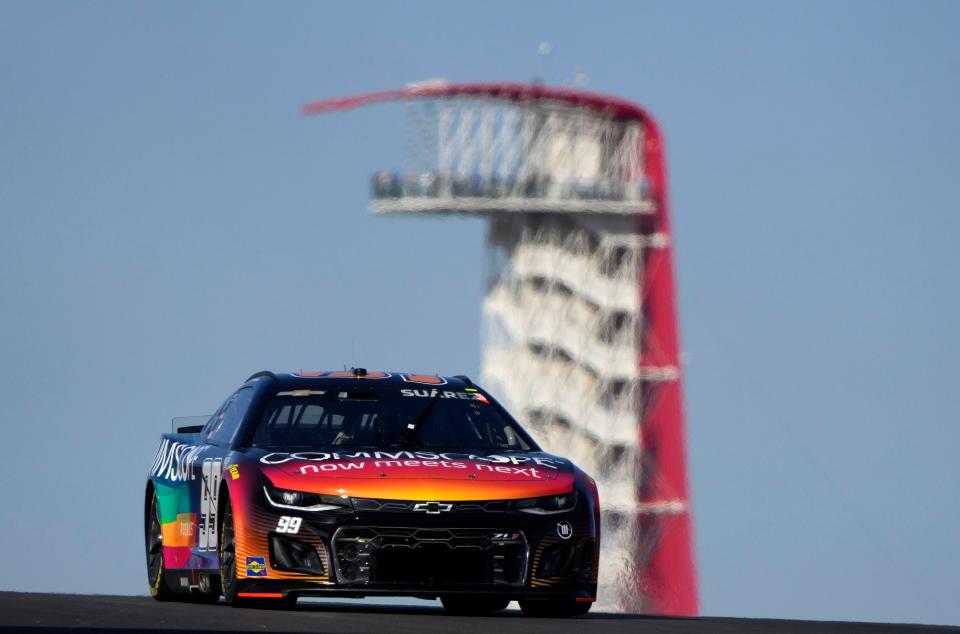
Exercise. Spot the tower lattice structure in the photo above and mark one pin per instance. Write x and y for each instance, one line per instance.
(580, 320)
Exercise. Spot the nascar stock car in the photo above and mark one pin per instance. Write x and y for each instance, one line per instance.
(356, 483)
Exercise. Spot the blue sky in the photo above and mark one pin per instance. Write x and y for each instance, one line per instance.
(170, 225)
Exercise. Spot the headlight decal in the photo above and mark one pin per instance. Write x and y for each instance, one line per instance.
(547, 505)
(301, 501)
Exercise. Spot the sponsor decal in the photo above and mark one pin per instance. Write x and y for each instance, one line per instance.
(234, 472)
(174, 461)
(530, 472)
(302, 393)
(464, 396)
(331, 466)
(534, 468)
(186, 525)
(409, 459)
(432, 508)
(181, 532)
(564, 530)
(256, 567)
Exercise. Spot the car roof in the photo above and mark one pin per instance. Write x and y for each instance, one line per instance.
(356, 377)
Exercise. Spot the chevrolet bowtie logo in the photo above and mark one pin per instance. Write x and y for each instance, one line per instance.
(433, 508)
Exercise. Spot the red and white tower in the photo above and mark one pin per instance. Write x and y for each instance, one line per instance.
(581, 339)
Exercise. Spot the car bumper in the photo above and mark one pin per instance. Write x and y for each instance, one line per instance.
(507, 554)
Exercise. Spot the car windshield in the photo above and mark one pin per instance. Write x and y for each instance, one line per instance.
(382, 419)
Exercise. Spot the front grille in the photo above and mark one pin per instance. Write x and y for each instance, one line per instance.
(408, 506)
(430, 557)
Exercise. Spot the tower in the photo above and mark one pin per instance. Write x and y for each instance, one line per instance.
(581, 339)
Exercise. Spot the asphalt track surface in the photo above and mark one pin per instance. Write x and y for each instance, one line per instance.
(87, 613)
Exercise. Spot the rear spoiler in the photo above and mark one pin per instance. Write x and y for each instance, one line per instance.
(189, 424)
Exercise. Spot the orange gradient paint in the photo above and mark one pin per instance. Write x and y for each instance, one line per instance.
(474, 482)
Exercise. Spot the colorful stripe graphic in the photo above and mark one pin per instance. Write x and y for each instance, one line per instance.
(178, 524)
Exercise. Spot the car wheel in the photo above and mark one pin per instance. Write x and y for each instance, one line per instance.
(554, 607)
(473, 604)
(228, 558)
(154, 547)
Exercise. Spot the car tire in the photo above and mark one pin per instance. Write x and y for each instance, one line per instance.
(473, 605)
(229, 586)
(554, 607)
(153, 538)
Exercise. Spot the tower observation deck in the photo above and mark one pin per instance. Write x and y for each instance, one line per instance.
(580, 320)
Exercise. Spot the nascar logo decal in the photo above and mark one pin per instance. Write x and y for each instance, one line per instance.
(256, 567)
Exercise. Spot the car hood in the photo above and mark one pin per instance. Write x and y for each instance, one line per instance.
(419, 475)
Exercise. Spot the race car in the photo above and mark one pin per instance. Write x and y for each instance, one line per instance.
(357, 483)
